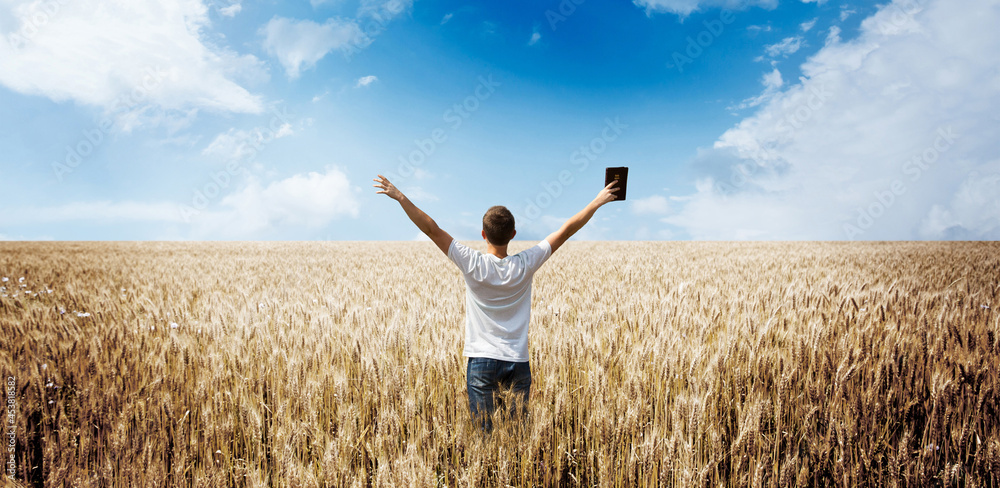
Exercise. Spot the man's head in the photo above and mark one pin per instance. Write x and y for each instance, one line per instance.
(498, 225)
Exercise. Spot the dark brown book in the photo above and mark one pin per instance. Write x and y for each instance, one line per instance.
(620, 174)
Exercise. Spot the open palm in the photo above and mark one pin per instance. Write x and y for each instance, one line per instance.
(387, 188)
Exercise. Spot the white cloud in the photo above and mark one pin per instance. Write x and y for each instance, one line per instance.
(143, 57)
(447, 17)
(973, 213)
(683, 8)
(833, 37)
(877, 140)
(807, 26)
(231, 10)
(817, 2)
(772, 84)
(772, 80)
(787, 47)
(656, 204)
(101, 212)
(310, 200)
(384, 9)
(535, 37)
(365, 81)
(846, 12)
(300, 44)
(237, 144)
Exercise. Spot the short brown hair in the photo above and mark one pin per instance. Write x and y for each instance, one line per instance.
(498, 223)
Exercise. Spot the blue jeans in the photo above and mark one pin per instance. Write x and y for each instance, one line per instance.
(484, 379)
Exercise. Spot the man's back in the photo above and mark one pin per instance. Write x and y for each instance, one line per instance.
(498, 297)
(498, 300)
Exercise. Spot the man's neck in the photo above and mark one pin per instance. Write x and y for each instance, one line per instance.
(498, 251)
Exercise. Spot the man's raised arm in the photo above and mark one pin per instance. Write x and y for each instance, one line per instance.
(423, 221)
(576, 222)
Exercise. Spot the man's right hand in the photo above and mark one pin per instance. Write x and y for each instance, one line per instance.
(607, 194)
(557, 238)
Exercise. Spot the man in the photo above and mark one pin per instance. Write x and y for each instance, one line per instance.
(498, 298)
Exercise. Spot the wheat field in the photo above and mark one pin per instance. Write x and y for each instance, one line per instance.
(654, 364)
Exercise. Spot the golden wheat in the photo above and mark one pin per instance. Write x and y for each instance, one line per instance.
(654, 364)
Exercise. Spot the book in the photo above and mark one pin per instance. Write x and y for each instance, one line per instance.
(620, 174)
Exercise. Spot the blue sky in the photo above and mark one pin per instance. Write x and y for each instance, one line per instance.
(759, 119)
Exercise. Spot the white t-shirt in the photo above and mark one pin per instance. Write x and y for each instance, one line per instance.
(498, 300)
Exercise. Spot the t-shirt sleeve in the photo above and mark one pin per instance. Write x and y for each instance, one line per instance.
(535, 256)
(461, 255)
